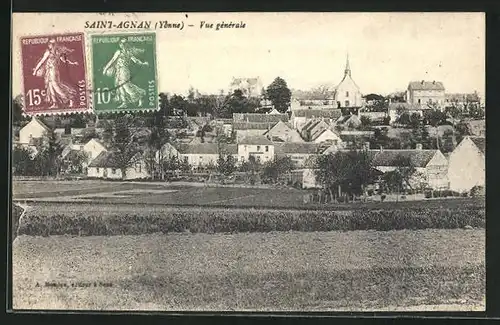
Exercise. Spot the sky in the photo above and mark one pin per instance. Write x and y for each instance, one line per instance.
(386, 50)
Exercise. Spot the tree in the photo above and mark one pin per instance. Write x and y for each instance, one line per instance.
(158, 137)
(17, 110)
(415, 120)
(124, 148)
(226, 166)
(399, 179)
(277, 168)
(435, 118)
(22, 164)
(365, 122)
(73, 164)
(279, 94)
(178, 103)
(404, 118)
(476, 111)
(347, 171)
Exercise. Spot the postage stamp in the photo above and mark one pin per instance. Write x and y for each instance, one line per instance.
(54, 74)
(124, 72)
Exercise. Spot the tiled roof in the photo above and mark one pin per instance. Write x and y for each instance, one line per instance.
(426, 85)
(252, 126)
(310, 113)
(259, 118)
(256, 139)
(105, 159)
(480, 143)
(405, 106)
(207, 148)
(296, 147)
(418, 158)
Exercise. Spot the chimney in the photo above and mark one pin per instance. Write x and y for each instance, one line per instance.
(419, 146)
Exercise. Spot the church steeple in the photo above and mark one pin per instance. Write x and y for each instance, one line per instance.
(347, 71)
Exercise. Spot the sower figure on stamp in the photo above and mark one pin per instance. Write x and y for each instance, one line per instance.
(57, 92)
(119, 68)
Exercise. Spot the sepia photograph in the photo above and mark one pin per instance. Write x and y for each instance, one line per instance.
(248, 162)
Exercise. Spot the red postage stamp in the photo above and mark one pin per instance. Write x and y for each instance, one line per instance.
(54, 74)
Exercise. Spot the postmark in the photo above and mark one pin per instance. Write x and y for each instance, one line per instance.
(54, 74)
(124, 72)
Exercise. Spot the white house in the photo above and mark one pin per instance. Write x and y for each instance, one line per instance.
(105, 166)
(298, 152)
(35, 129)
(466, 167)
(430, 165)
(284, 133)
(92, 149)
(260, 147)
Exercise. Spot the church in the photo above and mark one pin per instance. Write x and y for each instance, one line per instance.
(347, 93)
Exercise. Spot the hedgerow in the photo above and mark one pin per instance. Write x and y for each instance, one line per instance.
(88, 220)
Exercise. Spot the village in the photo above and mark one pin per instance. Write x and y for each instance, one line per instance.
(417, 141)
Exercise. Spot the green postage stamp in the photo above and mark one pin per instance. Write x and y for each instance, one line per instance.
(124, 72)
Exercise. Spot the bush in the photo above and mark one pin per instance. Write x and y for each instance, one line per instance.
(84, 219)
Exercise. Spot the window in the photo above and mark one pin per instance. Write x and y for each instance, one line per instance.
(258, 148)
(113, 171)
(346, 94)
(267, 148)
(346, 103)
(418, 100)
(186, 159)
(97, 169)
(257, 158)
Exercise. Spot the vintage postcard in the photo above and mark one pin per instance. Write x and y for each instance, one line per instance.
(260, 162)
(54, 74)
(124, 72)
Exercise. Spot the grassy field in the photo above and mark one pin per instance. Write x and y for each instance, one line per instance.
(169, 194)
(49, 218)
(272, 271)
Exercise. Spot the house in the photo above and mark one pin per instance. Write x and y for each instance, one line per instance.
(205, 154)
(426, 93)
(245, 129)
(349, 121)
(467, 163)
(283, 132)
(107, 166)
(259, 147)
(299, 153)
(347, 93)
(260, 118)
(395, 110)
(431, 166)
(301, 116)
(461, 100)
(35, 129)
(274, 111)
(355, 139)
(93, 148)
(320, 132)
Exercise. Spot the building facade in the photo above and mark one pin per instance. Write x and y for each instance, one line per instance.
(427, 94)
(347, 92)
(466, 167)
